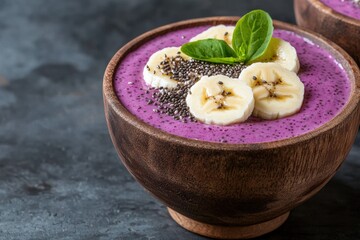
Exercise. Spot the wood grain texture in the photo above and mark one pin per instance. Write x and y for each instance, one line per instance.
(341, 29)
(231, 184)
(228, 232)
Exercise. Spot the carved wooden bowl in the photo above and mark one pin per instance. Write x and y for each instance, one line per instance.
(231, 190)
(341, 29)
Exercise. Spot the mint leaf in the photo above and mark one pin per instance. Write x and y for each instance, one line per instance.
(210, 50)
(252, 35)
(251, 38)
(226, 60)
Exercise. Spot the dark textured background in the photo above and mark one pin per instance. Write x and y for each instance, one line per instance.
(60, 177)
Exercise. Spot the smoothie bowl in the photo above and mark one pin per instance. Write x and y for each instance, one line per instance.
(338, 20)
(237, 180)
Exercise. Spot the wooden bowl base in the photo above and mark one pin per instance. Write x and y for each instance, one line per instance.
(228, 232)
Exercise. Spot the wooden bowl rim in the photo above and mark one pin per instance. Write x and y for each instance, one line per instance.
(328, 10)
(339, 54)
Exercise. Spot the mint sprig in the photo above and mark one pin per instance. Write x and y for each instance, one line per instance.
(250, 40)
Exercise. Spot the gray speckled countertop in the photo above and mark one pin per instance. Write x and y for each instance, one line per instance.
(60, 177)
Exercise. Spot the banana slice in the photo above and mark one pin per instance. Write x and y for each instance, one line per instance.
(220, 32)
(278, 92)
(153, 72)
(220, 100)
(281, 52)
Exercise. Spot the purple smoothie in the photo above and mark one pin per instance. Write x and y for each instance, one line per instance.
(327, 89)
(345, 7)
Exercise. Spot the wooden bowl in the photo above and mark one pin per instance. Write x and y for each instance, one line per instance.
(341, 29)
(231, 190)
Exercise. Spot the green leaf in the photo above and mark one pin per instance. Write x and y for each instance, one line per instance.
(252, 35)
(211, 50)
(227, 60)
(251, 38)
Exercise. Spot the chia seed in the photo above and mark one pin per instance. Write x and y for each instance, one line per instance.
(186, 72)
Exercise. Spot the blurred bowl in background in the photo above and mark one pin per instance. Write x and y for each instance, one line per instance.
(341, 29)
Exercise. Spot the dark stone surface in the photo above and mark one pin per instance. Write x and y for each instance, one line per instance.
(60, 177)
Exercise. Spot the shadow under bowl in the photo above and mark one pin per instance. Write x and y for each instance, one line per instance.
(231, 190)
(341, 29)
